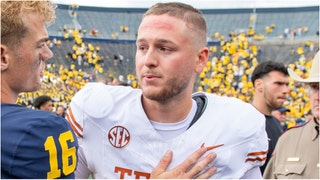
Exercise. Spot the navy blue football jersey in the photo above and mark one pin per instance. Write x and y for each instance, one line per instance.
(36, 144)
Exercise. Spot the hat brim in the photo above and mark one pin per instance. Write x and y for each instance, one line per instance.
(298, 78)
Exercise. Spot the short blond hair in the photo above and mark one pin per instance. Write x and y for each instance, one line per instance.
(12, 26)
(193, 17)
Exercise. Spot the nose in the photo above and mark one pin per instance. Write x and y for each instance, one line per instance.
(151, 58)
(286, 88)
(47, 54)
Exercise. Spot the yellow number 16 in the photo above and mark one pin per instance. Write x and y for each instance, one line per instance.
(67, 153)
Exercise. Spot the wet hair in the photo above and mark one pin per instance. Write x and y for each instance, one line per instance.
(12, 26)
(41, 100)
(266, 67)
(193, 17)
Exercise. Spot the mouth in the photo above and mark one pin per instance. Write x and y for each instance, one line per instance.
(150, 76)
(282, 98)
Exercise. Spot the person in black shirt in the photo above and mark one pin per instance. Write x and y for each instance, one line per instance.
(270, 80)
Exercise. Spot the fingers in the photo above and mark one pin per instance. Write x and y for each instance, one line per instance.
(201, 165)
(162, 165)
(190, 168)
(193, 158)
(208, 173)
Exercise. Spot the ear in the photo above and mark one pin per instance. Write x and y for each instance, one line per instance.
(258, 85)
(4, 57)
(202, 59)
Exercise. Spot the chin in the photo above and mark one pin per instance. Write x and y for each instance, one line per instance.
(37, 87)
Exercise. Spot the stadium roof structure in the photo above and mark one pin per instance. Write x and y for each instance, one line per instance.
(200, 4)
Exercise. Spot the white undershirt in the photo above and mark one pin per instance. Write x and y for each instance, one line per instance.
(172, 130)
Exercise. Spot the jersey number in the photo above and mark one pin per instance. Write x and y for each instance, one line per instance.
(67, 153)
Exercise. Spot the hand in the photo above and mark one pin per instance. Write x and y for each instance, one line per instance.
(188, 169)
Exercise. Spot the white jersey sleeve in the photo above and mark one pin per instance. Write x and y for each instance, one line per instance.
(254, 173)
(88, 107)
(90, 97)
(82, 171)
(241, 128)
(76, 113)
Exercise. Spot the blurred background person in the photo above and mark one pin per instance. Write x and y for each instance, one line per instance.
(281, 115)
(43, 102)
(60, 111)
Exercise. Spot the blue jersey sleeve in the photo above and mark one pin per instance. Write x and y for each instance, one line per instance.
(37, 144)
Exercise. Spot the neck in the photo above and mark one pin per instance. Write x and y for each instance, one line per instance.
(169, 112)
(261, 107)
(8, 94)
(8, 98)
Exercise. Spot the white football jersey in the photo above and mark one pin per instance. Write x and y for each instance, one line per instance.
(116, 139)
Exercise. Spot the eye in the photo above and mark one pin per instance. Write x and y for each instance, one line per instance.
(41, 45)
(314, 86)
(142, 48)
(165, 49)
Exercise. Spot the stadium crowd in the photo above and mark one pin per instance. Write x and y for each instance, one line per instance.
(228, 72)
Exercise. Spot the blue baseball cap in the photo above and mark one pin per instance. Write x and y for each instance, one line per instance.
(283, 109)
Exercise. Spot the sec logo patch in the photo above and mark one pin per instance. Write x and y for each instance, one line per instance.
(118, 136)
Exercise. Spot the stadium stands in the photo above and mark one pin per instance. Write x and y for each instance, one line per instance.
(109, 20)
(104, 42)
(291, 18)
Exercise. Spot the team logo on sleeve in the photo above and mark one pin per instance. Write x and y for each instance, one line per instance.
(118, 136)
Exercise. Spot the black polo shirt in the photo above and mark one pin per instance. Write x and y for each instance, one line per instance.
(274, 130)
